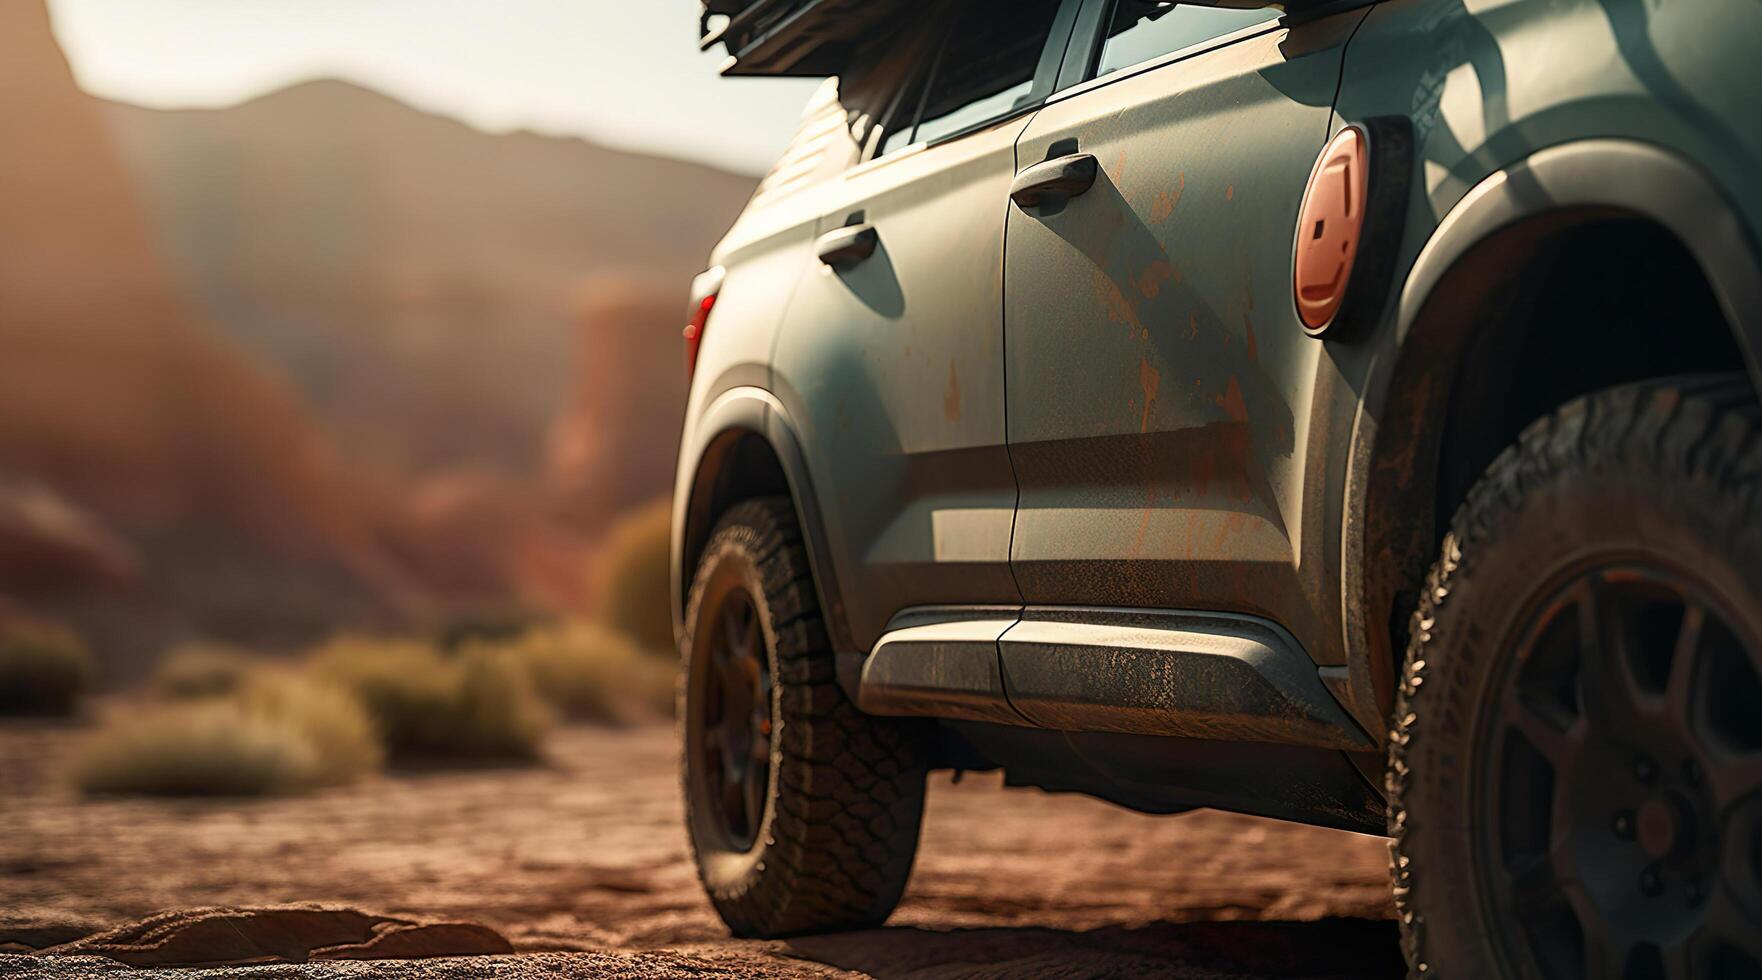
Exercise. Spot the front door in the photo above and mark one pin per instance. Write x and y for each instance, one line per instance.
(1156, 369)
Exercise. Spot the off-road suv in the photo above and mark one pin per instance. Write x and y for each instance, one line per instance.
(1344, 413)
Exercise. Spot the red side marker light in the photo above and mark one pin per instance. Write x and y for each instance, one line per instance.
(704, 290)
(1329, 225)
(694, 331)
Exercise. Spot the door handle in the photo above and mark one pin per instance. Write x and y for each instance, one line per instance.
(1063, 177)
(848, 245)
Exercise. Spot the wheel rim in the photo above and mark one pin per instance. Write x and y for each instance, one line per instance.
(734, 737)
(1623, 794)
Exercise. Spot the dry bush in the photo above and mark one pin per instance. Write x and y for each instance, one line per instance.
(196, 748)
(276, 733)
(590, 672)
(44, 669)
(200, 670)
(478, 705)
(333, 721)
(634, 576)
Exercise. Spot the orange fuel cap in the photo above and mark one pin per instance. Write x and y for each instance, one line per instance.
(1328, 227)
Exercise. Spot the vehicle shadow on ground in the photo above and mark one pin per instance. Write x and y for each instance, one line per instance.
(1338, 949)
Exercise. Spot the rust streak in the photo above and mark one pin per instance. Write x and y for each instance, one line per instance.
(1164, 203)
(1150, 282)
(1119, 308)
(951, 399)
(1149, 379)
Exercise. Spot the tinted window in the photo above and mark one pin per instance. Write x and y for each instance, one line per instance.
(1144, 29)
(985, 68)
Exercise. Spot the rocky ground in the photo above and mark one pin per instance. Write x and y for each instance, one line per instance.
(582, 865)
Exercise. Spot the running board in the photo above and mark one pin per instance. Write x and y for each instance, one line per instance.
(1214, 676)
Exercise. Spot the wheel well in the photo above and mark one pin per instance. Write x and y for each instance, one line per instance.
(739, 465)
(1539, 313)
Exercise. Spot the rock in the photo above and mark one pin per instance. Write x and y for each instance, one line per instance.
(32, 936)
(242, 936)
(402, 941)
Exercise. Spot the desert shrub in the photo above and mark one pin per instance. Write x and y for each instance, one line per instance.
(499, 713)
(276, 732)
(634, 576)
(200, 670)
(44, 669)
(196, 748)
(590, 672)
(333, 721)
(476, 705)
(482, 627)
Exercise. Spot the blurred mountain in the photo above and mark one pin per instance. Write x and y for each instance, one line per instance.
(153, 476)
(321, 359)
(415, 280)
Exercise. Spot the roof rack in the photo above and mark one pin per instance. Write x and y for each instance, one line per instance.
(811, 38)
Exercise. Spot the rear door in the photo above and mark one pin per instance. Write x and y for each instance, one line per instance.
(890, 360)
(1158, 376)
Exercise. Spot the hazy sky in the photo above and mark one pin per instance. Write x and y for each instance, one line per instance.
(623, 72)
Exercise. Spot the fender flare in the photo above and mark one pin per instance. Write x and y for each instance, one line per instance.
(1610, 175)
(748, 412)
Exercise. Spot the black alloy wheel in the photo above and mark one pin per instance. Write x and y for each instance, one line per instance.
(734, 743)
(1624, 763)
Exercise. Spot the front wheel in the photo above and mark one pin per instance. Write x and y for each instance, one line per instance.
(1576, 767)
(803, 812)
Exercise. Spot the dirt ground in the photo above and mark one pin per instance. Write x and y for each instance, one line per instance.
(583, 865)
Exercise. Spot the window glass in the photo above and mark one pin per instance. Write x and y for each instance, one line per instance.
(1144, 29)
(985, 69)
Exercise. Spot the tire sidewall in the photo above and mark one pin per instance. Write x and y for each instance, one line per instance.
(1530, 533)
(729, 563)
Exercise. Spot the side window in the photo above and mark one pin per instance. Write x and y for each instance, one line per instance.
(1140, 30)
(988, 64)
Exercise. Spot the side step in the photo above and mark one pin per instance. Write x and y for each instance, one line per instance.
(1213, 676)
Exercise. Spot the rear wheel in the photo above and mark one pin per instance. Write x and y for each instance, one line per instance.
(803, 812)
(1576, 769)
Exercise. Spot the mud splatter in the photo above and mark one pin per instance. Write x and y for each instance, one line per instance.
(1120, 309)
(1232, 402)
(1149, 379)
(951, 399)
(1150, 282)
(1164, 203)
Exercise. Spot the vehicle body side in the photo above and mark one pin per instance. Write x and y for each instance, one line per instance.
(1565, 156)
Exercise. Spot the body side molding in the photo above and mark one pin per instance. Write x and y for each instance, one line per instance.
(1211, 676)
(1214, 676)
(940, 661)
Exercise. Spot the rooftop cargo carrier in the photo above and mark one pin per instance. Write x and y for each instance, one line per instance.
(811, 38)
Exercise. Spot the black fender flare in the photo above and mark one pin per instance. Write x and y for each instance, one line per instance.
(1612, 175)
(740, 413)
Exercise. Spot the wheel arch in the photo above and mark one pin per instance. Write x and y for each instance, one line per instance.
(1451, 370)
(743, 447)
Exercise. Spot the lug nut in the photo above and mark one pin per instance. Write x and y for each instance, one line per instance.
(1651, 882)
(1623, 824)
(1644, 770)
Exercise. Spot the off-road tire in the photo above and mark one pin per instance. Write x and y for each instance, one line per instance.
(846, 791)
(1672, 467)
